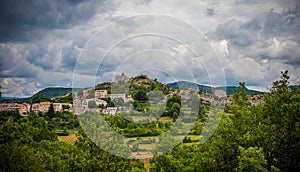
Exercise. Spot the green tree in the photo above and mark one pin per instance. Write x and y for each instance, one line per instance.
(166, 163)
(169, 111)
(140, 95)
(9, 116)
(172, 100)
(175, 110)
(251, 159)
(138, 106)
(224, 145)
(92, 104)
(51, 112)
(240, 96)
(280, 113)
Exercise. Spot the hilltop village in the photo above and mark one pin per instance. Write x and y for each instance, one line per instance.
(100, 99)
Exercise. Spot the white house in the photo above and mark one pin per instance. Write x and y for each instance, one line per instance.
(110, 111)
(99, 101)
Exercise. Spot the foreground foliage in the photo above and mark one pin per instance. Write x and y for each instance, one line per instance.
(31, 146)
(259, 138)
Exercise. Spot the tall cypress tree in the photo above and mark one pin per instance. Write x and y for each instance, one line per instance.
(51, 112)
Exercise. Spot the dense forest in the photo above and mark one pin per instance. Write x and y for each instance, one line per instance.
(265, 137)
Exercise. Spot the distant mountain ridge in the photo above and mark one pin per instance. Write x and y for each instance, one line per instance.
(53, 92)
(50, 92)
(12, 99)
(209, 89)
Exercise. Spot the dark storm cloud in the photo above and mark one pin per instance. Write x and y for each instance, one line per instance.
(27, 20)
(272, 36)
(234, 32)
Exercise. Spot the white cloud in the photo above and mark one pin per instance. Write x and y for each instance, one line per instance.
(287, 50)
(253, 43)
(18, 87)
(221, 47)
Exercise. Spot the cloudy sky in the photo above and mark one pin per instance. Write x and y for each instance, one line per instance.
(210, 42)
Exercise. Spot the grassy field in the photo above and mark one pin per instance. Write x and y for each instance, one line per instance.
(194, 138)
(151, 146)
(165, 119)
(138, 119)
(191, 144)
(147, 147)
(70, 139)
